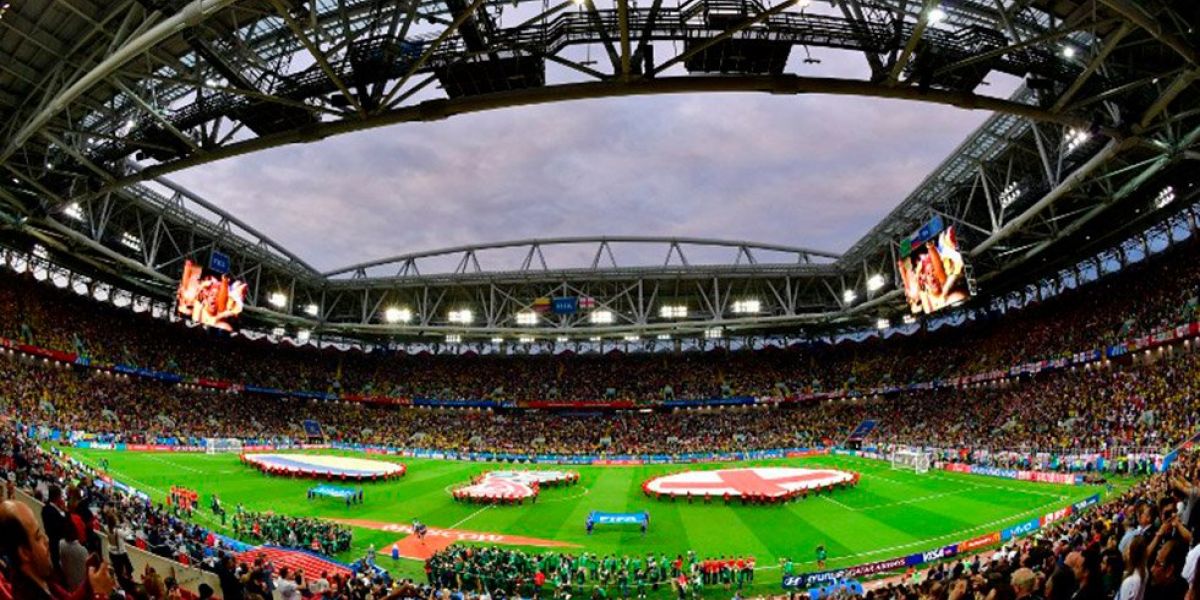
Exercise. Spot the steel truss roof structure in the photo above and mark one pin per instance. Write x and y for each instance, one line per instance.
(100, 101)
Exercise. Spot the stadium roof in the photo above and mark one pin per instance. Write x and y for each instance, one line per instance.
(101, 101)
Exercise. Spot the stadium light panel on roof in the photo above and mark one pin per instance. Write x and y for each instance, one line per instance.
(883, 324)
(714, 333)
(397, 315)
(74, 211)
(664, 336)
(594, 338)
(453, 338)
(497, 340)
(876, 282)
(312, 310)
(849, 296)
(277, 299)
(936, 15)
(1075, 138)
(1165, 197)
(462, 316)
(673, 311)
(525, 339)
(131, 241)
(527, 317)
(303, 335)
(632, 338)
(746, 307)
(909, 319)
(1011, 193)
(562, 339)
(601, 317)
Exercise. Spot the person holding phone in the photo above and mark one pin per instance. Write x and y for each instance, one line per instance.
(26, 549)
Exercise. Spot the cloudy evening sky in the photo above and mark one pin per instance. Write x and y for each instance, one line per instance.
(814, 171)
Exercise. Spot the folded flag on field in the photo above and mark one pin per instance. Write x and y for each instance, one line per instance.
(334, 491)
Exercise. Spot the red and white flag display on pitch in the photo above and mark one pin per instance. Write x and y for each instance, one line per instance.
(767, 482)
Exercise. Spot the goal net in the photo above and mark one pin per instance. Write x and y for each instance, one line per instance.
(911, 460)
(218, 445)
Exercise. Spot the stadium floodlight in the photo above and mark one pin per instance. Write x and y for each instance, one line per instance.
(747, 307)
(312, 310)
(277, 299)
(1165, 197)
(74, 211)
(395, 314)
(714, 333)
(525, 339)
(601, 317)
(677, 311)
(594, 338)
(630, 337)
(1011, 193)
(875, 282)
(527, 317)
(909, 319)
(936, 15)
(1075, 138)
(453, 338)
(278, 331)
(211, 82)
(849, 296)
(131, 241)
(497, 340)
(463, 316)
(303, 335)
(1068, 51)
(882, 324)
(664, 336)
(562, 339)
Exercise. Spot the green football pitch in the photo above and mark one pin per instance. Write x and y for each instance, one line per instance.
(890, 513)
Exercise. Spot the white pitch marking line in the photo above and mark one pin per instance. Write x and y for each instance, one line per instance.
(174, 464)
(470, 516)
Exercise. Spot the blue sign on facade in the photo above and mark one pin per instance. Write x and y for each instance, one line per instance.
(218, 262)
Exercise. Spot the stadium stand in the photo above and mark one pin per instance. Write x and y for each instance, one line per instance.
(1132, 406)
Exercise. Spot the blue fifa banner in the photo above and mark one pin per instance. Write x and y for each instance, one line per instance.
(607, 518)
(147, 373)
(566, 305)
(218, 262)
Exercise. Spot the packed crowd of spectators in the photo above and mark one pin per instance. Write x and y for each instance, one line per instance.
(1144, 402)
(1136, 300)
(303, 533)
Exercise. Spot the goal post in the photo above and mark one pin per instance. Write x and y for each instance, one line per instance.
(222, 445)
(918, 461)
